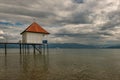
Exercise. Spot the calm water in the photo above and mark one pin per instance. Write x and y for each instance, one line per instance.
(61, 64)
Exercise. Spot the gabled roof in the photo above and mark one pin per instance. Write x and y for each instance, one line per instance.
(35, 28)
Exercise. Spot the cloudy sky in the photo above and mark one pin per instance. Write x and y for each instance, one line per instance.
(68, 21)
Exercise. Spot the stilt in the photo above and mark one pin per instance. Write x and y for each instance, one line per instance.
(34, 49)
(40, 48)
(47, 48)
(5, 48)
(23, 47)
(44, 48)
(20, 48)
(28, 51)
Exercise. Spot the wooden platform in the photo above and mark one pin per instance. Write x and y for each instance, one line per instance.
(24, 47)
(22, 43)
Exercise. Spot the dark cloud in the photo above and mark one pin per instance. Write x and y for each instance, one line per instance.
(109, 26)
(106, 33)
(79, 18)
(78, 1)
(114, 21)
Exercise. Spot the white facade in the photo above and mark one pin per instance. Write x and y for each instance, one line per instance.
(30, 37)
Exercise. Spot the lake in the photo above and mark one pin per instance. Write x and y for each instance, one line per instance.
(61, 64)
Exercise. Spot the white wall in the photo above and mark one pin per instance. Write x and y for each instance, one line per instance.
(24, 37)
(32, 37)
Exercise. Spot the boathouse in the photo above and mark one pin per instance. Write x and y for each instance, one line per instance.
(34, 34)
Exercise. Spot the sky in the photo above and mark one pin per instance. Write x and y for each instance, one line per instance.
(69, 21)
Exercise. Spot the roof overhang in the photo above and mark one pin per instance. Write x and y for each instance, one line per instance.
(34, 32)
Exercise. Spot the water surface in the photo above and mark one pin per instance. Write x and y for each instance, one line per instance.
(61, 64)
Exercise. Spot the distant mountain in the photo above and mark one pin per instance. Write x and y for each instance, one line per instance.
(68, 45)
(71, 45)
(75, 45)
(10, 46)
(114, 47)
(57, 45)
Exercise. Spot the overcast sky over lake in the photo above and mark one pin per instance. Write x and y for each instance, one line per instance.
(68, 21)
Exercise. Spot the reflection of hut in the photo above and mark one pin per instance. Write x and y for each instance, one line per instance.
(33, 34)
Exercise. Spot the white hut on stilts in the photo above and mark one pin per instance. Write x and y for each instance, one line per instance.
(34, 35)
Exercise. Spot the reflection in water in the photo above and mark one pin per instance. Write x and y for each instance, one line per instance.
(24, 66)
(33, 66)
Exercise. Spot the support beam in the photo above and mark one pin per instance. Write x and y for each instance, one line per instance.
(38, 48)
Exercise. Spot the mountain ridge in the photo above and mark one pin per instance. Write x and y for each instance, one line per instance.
(68, 45)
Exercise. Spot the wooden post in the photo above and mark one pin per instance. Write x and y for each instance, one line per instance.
(5, 48)
(34, 48)
(28, 51)
(47, 49)
(20, 48)
(40, 48)
(23, 47)
(43, 48)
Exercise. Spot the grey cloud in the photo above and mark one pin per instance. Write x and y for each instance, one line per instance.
(79, 18)
(11, 33)
(18, 2)
(107, 33)
(79, 15)
(79, 38)
(114, 18)
(110, 25)
(79, 35)
(25, 12)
